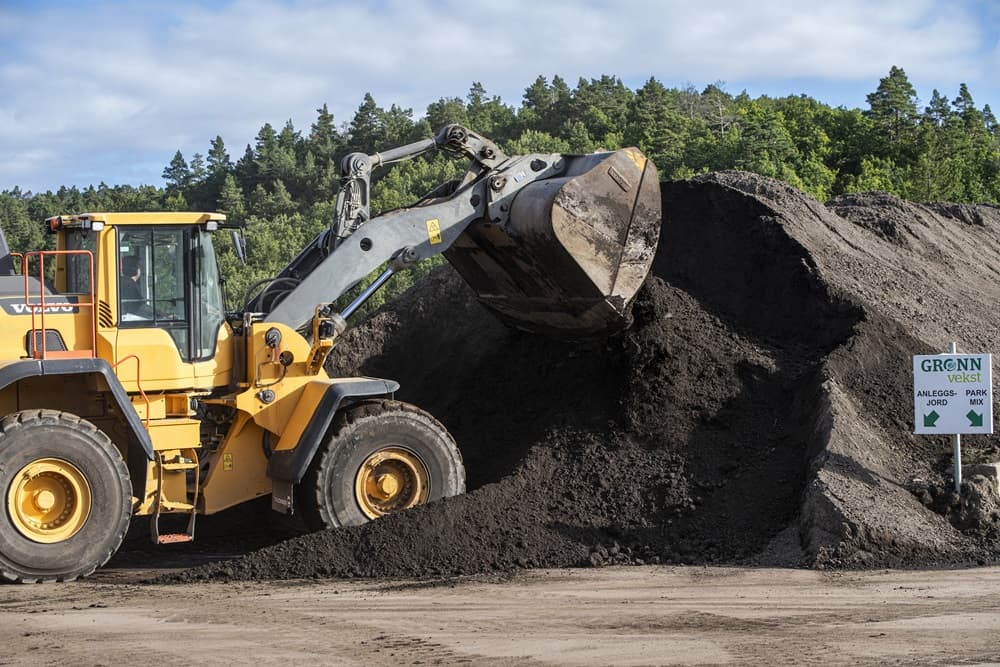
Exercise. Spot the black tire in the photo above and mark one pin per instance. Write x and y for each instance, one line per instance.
(35, 435)
(327, 495)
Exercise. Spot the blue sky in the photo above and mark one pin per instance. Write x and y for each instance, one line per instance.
(109, 90)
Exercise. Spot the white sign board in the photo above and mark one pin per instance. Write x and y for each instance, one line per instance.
(953, 393)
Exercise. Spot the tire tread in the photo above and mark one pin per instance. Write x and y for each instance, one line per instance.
(311, 488)
(25, 419)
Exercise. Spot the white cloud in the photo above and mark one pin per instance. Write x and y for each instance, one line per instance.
(92, 87)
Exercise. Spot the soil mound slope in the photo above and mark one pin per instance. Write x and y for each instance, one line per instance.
(758, 409)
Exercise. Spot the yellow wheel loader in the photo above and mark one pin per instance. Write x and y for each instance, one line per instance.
(126, 390)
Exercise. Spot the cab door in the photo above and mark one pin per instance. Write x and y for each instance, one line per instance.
(171, 319)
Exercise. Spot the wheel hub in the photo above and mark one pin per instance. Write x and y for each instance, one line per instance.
(389, 480)
(49, 500)
(44, 500)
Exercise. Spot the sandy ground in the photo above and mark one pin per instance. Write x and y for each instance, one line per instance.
(630, 615)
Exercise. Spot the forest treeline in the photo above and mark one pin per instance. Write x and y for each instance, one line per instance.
(283, 186)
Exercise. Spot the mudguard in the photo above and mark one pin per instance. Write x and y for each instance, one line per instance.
(311, 420)
(14, 371)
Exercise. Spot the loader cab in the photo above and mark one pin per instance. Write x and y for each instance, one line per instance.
(168, 279)
(159, 314)
(167, 298)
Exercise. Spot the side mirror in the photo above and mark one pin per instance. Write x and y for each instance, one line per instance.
(239, 244)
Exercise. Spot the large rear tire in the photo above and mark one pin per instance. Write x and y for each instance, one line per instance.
(66, 497)
(380, 457)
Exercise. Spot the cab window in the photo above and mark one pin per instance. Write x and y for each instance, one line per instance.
(209, 313)
(152, 281)
(78, 266)
(169, 279)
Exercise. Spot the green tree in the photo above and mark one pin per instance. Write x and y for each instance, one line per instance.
(366, 130)
(397, 128)
(893, 110)
(989, 120)
(177, 174)
(656, 126)
(231, 200)
(324, 141)
(489, 115)
(446, 111)
(602, 105)
(718, 108)
(763, 144)
(533, 141)
(938, 111)
(218, 161)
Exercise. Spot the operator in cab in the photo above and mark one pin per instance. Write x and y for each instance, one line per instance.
(134, 303)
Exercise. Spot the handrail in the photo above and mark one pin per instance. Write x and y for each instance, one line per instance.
(40, 306)
(138, 373)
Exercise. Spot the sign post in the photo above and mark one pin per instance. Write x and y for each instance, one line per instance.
(953, 394)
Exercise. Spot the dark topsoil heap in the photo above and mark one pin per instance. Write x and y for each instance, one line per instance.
(758, 409)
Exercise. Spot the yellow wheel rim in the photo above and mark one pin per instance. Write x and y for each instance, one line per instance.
(390, 480)
(49, 500)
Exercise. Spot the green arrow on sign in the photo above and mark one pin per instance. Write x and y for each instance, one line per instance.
(929, 420)
(975, 419)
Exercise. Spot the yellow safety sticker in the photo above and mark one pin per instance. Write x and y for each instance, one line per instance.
(227, 461)
(434, 231)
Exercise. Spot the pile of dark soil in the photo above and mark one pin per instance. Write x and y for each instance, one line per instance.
(757, 410)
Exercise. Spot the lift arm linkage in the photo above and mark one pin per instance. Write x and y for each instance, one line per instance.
(356, 245)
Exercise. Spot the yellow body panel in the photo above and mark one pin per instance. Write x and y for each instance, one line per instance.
(268, 374)
(73, 329)
(303, 410)
(153, 407)
(238, 471)
(177, 433)
(160, 365)
(217, 371)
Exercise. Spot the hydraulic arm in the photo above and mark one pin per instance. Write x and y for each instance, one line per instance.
(549, 242)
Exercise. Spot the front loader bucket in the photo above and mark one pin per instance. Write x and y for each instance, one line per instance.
(575, 250)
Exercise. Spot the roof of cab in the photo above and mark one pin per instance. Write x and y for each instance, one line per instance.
(146, 218)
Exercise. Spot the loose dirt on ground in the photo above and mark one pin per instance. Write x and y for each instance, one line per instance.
(622, 615)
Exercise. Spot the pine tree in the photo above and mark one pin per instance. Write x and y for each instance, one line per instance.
(989, 120)
(177, 174)
(324, 140)
(538, 97)
(264, 149)
(231, 200)
(397, 127)
(366, 130)
(197, 168)
(282, 164)
(654, 125)
(963, 103)
(446, 111)
(246, 169)
(938, 110)
(602, 104)
(717, 108)
(893, 110)
(218, 160)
